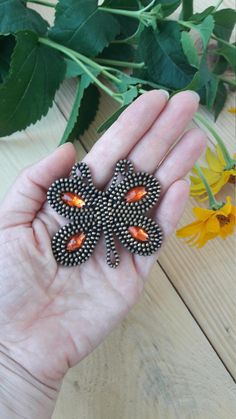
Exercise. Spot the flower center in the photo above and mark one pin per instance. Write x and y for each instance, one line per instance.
(223, 220)
(232, 179)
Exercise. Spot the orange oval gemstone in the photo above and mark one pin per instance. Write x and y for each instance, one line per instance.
(75, 242)
(138, 233)
(72, 199)
(135, 194)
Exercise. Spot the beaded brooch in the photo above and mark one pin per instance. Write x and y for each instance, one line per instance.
(119, 210)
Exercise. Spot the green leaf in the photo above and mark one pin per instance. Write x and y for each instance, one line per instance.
(122, 52)
(84, 109)
(225, 20)
(129, 95)
(199, 17)
(208, 83)
(189, 49)
(80, 25)
(7, 44)
(128, 25)
(106, 124)
(220, 66)
(229, 53)
(205, 29)
(128, 80)
(88, 110)
(73, 69)
(35, 74)
(187, 9)
(220, 99)
(15, 17)
(163, 55)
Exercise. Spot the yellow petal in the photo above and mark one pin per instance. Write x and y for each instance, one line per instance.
(213, 225)
(227, 230)
(206, 238)
(189, 229)
(226, 209)
(232, 110)
(220, 155)
(213, 162)
(202, 213)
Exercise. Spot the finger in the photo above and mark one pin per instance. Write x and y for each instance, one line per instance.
(120, 138)
(167, 216)
(28, 193)
(171, 123)
(181, 158)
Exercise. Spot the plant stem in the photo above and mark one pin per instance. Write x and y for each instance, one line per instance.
(232, 82)
(187, 9)
(77, 58)
(230, 163)
(130, 13)
(118, 63)
(43, 3)
(224, 42)
(213, 203)
(218, 5)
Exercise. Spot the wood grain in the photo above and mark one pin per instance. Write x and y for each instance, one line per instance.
(156, 365)
(174, 355)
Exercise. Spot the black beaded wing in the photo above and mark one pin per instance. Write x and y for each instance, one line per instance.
(119, 210)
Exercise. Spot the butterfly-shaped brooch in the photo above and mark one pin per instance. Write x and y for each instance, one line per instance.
(117, 211)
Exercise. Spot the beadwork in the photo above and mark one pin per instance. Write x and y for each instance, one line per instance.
(119, 210)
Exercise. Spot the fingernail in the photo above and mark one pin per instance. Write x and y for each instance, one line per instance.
(164, 93)
(195, 94)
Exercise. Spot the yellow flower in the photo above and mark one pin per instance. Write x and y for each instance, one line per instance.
(232, 110)
(209, 224)
(215, 174)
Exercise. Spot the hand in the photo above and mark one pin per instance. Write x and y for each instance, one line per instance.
(52, 316)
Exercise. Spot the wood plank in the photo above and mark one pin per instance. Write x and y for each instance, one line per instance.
(221, 331)
(157, 364)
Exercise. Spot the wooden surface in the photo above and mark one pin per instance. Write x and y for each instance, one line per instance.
(174, 356)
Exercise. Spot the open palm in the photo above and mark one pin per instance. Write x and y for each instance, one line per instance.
(52, 316)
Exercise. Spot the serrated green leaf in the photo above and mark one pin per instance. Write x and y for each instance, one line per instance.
(189, 49)
(220, 99)
(80, 25)
(225, 20)
(36, 72)
(87, 111)
(199, 17)
(77, 123)
(229, 53)
(109, 121)
(163, 55)
(15, 17)
(7, 44)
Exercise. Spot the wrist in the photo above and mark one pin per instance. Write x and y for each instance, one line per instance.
(22, 394)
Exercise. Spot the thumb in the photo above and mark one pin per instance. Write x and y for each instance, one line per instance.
(28, 193)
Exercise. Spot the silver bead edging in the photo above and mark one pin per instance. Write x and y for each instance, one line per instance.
(105, 211)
